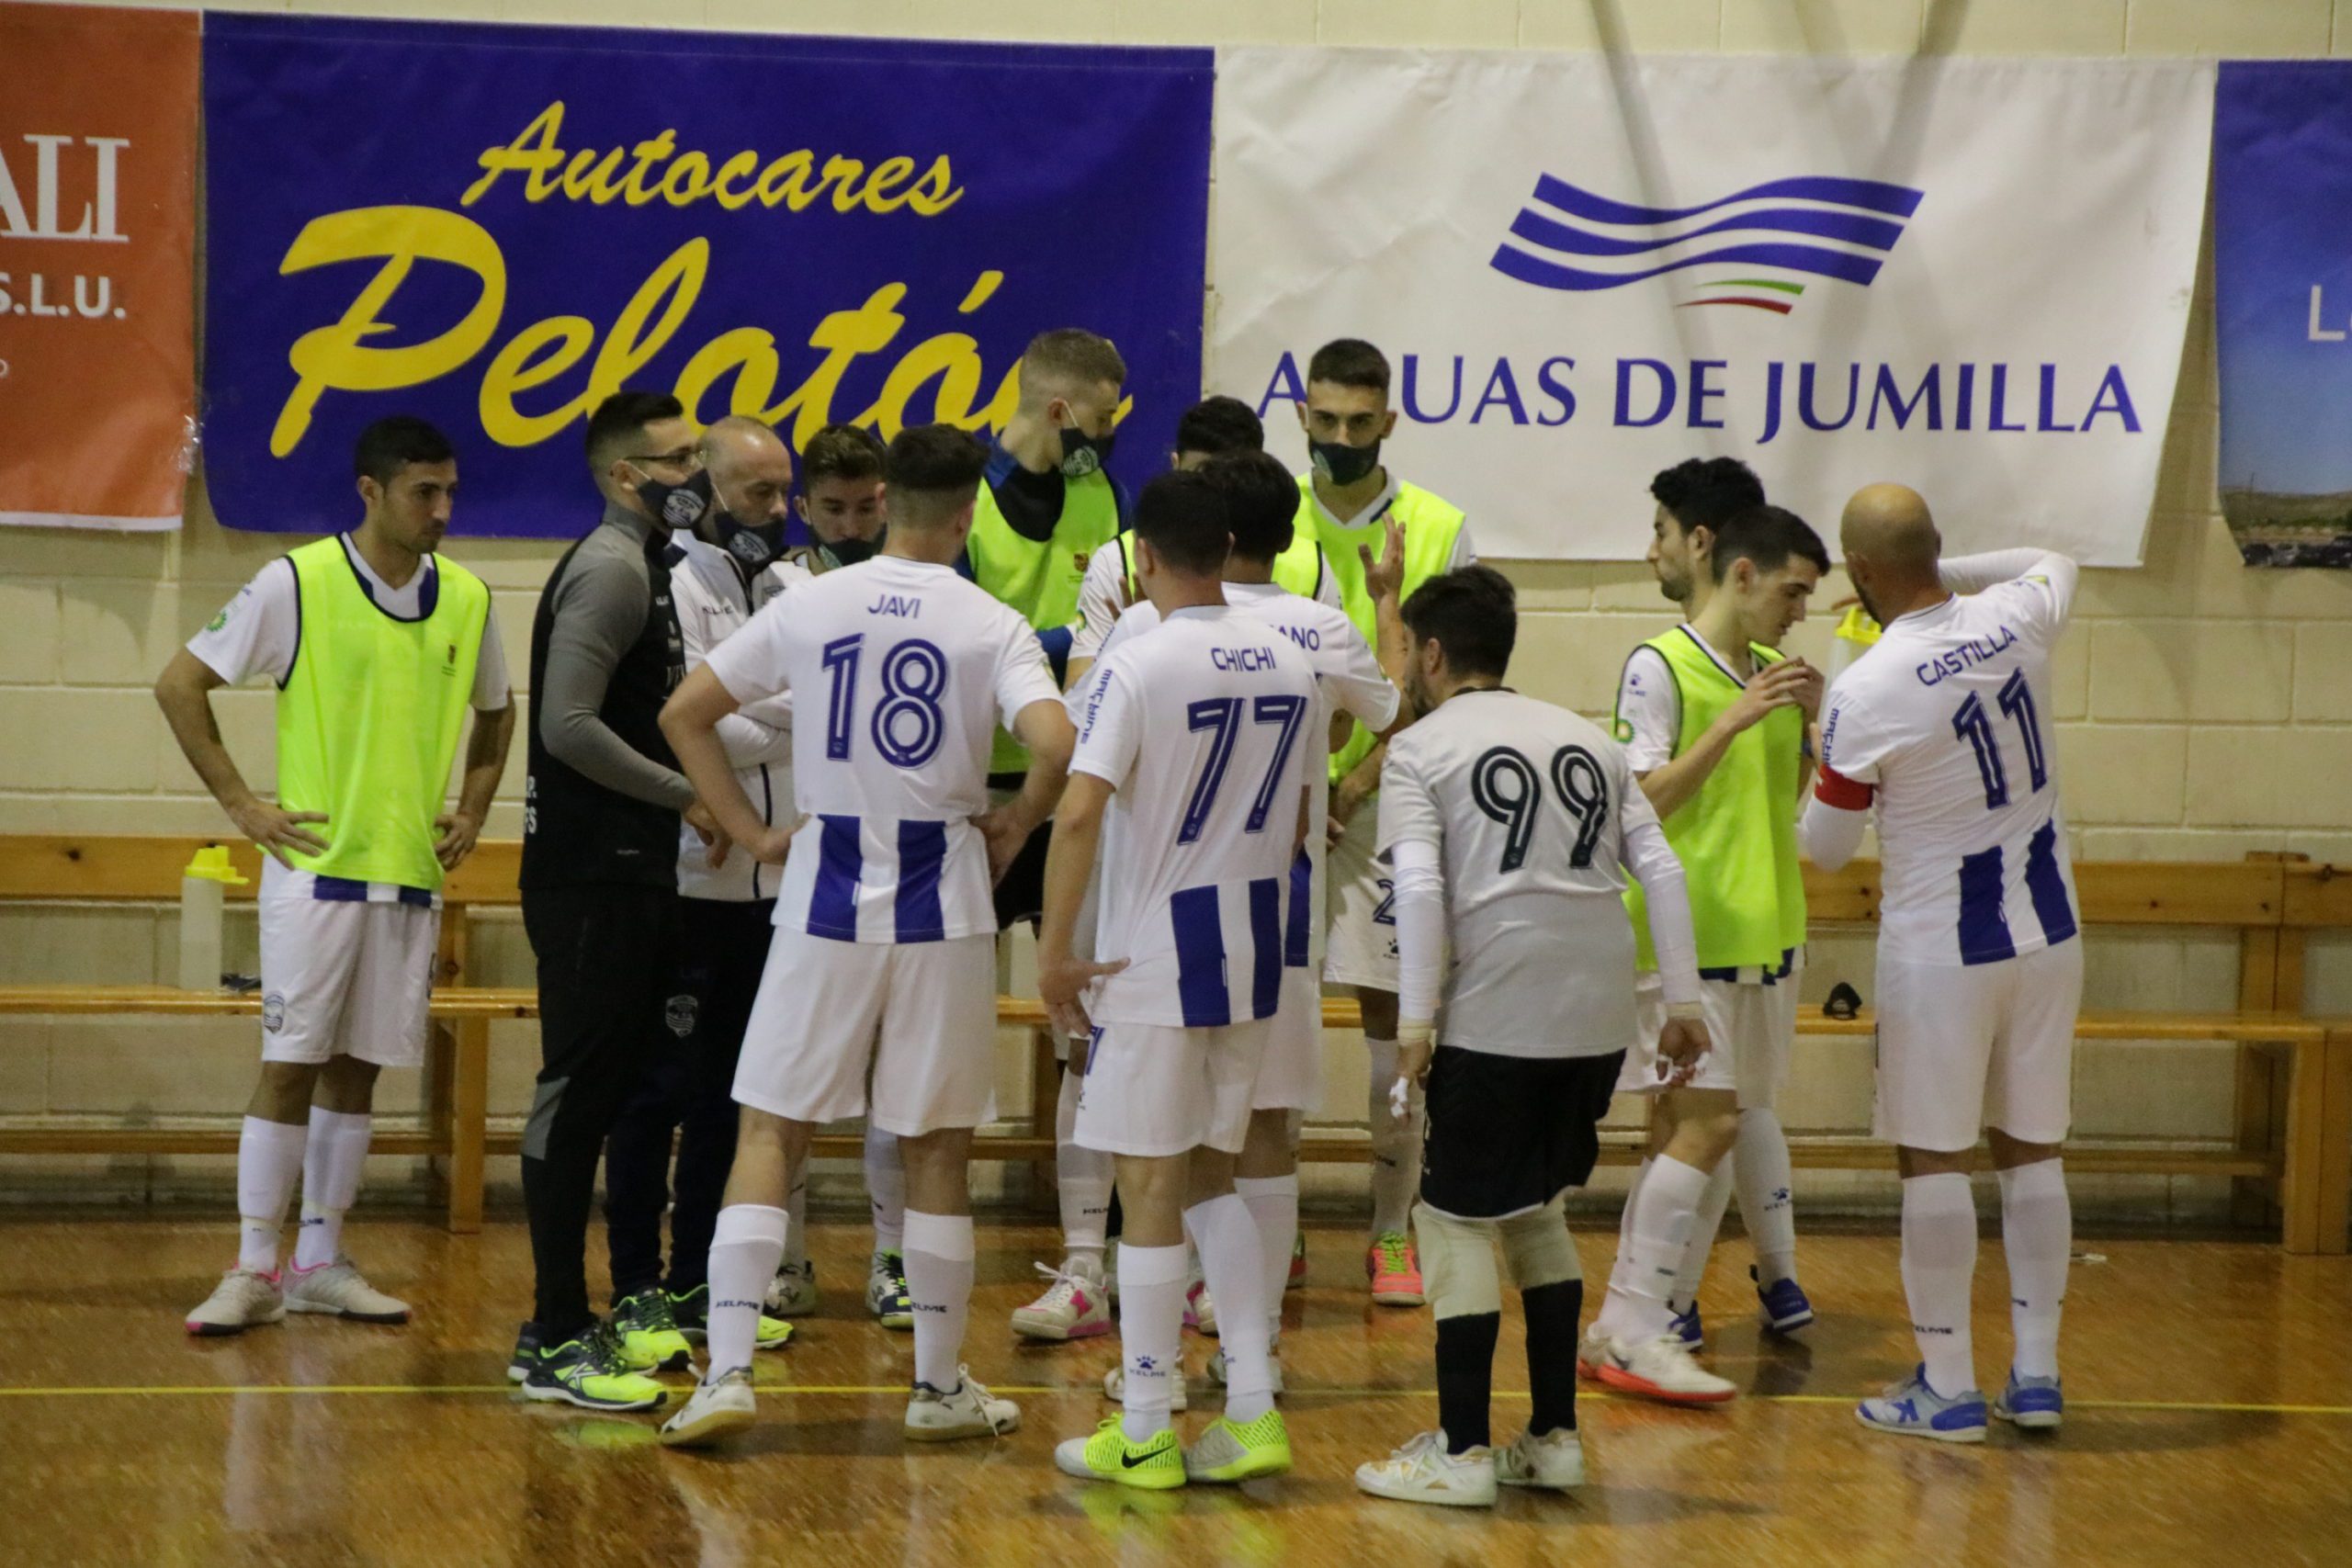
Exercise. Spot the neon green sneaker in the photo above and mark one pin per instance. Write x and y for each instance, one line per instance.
(1155, 1464)
(692, 1309)
(648, 1333)
(1229, 1451)
(589, 1373)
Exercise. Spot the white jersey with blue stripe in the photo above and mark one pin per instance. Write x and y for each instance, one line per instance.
(1944, 729)
(901, 671)
(1204, 730)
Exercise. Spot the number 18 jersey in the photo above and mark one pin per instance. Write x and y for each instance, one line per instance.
(901, 671)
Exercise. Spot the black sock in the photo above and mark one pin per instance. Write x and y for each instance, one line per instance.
(1552, 1311)
(1465, 1375)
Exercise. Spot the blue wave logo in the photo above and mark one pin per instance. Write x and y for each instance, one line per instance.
(1817, 225)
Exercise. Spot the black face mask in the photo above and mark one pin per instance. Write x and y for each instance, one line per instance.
(754, 545)
(1341, 464)
(1083, 453)
(676, 508)
(852, 549)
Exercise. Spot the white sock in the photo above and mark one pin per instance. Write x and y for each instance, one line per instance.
(1759, 1163)
(332, 1162)
(745, 1246)
(270, 1158)
(1151, 1329)
(1626, 1223)
(1396, 1145)
(1939, 1266)
(940, 1252)
(1234, 1264)
(1638, 1308)
(796, 1233)
(886, 1185)
(1273, 1207)
(2038, 1234)
(1083, 1177)
(1705, 1224)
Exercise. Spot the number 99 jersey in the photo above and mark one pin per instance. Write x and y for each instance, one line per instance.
(1530, 807)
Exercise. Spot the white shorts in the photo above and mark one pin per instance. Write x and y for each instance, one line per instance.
(1753, 1026)
(1291, 1076)
(1966, 1046)
(915, 1020)
(1154, 1089)
(343, 977)
(1362, 948)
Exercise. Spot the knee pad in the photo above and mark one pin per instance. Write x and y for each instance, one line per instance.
(1538, 1248)
(1457, 1263)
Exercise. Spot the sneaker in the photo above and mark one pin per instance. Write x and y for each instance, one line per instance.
(1297, 1280)
(720, 1406)
(1230, 1452)
(648, 1331)
(1657, 1368)
(1155, 1464)
(1075, 1306)
(527, 1355)
(1200, 1309)
(886, 1292)
(1395, 1270)
(1554, 1462)
(692, 1310)
(1688, 1327)
(1115, 1387)
(1782, 1305)
(967, 1411)
(337, 1289)
(1422, 1471)
(1216, 1372)
(793, 1292)
(1912, 1409)
(240, 1300)
(592, 1371)
(2031, 1402)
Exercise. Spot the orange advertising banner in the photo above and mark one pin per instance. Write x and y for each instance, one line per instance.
(98, 258)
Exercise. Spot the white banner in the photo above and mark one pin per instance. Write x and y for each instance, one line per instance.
(1969, 276)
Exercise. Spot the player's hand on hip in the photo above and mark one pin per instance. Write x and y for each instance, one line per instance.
(775, 844)
(1004, 830)
(1681, 1044)
(1062, 980)
(1386, 576)
(458, 831)
(276, 830)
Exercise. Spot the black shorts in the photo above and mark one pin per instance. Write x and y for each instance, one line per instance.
(1021, 895)
(1510, 1133)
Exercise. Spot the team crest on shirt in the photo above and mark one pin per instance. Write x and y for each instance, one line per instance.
(273, 1013)
(680, 1014)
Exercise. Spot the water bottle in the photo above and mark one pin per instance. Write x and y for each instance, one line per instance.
(203, 885)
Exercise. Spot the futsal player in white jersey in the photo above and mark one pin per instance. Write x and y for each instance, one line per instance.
(1190, 783)
(1510, 826)
(1938, 733)
(883, 967)
(1354, 683)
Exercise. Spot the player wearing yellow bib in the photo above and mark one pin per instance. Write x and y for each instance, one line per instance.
(378, 647)
(1345, 503)
(1728, 794)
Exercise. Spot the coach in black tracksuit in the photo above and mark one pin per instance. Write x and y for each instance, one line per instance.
(600, 900)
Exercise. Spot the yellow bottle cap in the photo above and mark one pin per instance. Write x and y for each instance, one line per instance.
(1857, 626)
(212, 864)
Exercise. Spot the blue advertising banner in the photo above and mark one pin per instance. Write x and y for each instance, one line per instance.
(2282, 307)
(493, 227)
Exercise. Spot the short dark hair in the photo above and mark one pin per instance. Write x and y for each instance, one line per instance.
(1768, 535)
(842, 452)
(939, 462)
(621, 418)
(1350, 361)
(1260, 502)
(1073, 353)
(393, 443)
(1184, 519)
(1706, 492)
(1472, 613)
(1220, 425)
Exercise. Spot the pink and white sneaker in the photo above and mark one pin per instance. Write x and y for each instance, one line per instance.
(1075, 1306)
(1395, 1270)
(1200, 1309)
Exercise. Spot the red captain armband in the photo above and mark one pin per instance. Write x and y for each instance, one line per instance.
(1833, 788)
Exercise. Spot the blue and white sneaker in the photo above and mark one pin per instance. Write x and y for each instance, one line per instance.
(1786, 1308)
(2033, 1402)
(1686, 1327)
(1914, 1410)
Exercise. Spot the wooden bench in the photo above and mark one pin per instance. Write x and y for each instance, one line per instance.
(2294, 1099)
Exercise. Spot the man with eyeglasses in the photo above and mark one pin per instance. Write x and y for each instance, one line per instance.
(600, 855)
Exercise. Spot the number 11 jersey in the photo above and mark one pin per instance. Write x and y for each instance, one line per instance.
(900, 672)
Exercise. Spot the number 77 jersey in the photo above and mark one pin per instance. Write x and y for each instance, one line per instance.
(1943, 727)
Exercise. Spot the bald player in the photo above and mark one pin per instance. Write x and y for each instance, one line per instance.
(1937, 734)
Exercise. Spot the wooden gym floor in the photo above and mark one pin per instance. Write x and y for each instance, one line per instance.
(2211, 1422)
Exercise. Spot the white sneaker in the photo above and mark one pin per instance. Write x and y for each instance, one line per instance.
(1075, 1306)
(1554, 1462)
(337, 1289)
(240, 1300)
(886, 1291)
(720, 1406)
(1114, 1386)
(1200, 1307)
(793, 1292)
(970, 1412)
(1217, 1370)
(1422, 1471)
(1660, 1369)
